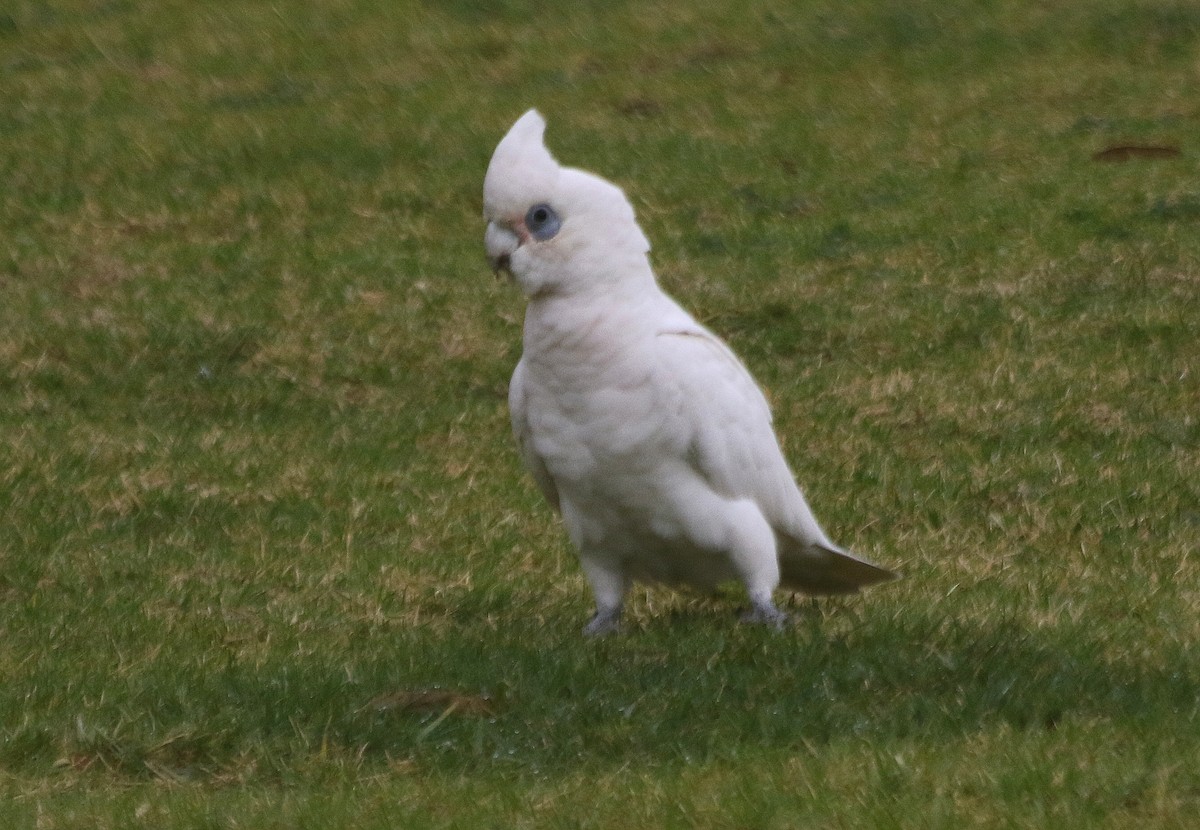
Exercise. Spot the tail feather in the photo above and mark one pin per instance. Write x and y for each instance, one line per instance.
(826, 569)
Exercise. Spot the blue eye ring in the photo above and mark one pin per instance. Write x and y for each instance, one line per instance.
(542, 222)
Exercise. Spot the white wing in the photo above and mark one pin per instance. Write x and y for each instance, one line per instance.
(733, 446)
(518, 407)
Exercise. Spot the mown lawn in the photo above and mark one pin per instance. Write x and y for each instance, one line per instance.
(267, 555)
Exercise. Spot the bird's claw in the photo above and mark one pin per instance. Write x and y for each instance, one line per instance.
(603, 623)
(767, 615)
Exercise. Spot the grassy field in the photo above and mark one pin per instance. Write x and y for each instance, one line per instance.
(267, 555)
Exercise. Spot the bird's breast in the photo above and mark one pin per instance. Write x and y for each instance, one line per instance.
(597, 422)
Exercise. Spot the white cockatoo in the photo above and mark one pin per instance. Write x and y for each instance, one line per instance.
(639, 425)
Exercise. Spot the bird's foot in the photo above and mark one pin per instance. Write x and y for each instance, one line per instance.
(604, 622)
(765, 614)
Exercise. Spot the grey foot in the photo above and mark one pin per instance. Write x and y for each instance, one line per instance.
(605, 622)
(765, 614)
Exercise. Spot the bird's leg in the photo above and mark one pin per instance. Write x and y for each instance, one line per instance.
(609, 584)
(752, 550)
(605, 621)
(763, 612)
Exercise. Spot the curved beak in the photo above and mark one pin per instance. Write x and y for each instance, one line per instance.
(500, 243)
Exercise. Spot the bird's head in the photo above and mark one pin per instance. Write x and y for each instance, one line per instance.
(555, 229)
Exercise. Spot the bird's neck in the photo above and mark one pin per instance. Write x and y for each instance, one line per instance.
(597, 329)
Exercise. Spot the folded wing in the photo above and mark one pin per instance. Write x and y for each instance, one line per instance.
(518, 408)
(733, 446)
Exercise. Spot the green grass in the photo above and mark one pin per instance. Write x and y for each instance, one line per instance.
(267, 556)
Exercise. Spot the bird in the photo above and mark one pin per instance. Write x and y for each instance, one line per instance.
(639, 425)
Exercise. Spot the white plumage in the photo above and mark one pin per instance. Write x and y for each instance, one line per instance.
(639, 425)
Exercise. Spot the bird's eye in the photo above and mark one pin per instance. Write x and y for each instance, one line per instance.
(542, 222)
